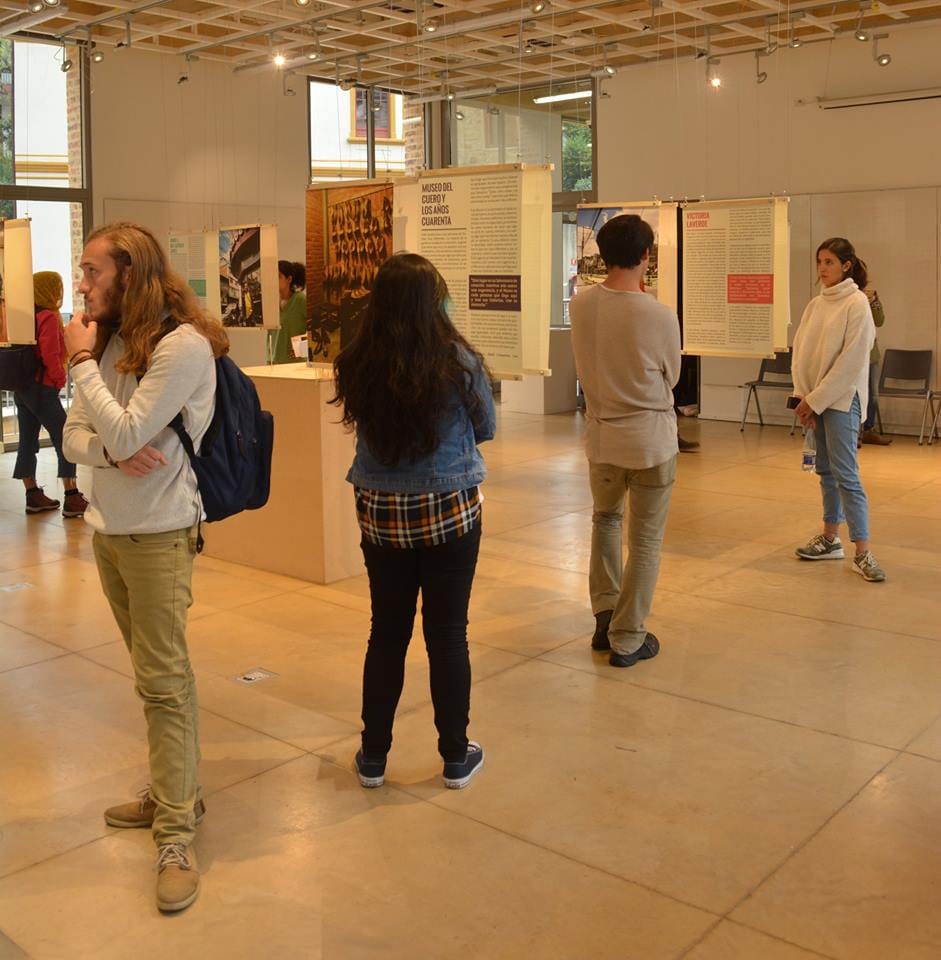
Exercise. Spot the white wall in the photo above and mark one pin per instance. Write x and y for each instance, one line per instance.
(846, 170)
(219, 150)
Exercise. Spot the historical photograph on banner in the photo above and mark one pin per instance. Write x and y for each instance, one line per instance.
(349, 236)
(240, 277)
(730, 278)
(591, 268)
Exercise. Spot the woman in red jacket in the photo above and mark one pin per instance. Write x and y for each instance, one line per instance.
(39, 405)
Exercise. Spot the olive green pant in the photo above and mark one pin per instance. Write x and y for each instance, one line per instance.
(147, 579)
(627, 590)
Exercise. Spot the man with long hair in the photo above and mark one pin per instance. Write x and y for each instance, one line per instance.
(627, 352)
(142, 353)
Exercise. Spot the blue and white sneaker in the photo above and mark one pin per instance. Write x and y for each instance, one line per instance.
(820, 548)
(458, 773)
(371, 773)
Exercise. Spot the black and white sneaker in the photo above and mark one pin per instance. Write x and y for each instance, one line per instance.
(458, 773)
(371, 773)
(820, 548)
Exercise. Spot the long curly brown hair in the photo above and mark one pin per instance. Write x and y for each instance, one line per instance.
(150, 294)
(407, 363)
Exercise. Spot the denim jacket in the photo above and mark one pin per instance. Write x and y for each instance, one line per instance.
(455, 464)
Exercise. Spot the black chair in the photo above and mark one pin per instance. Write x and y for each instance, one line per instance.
(779, 367)
(912, 367)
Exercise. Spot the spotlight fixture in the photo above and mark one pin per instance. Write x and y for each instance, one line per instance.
(883, 59)
(528, 48)
(346, 84)
(712, 73)
(449, 96)
(97, 56)
(430, 26)
(860, 33)
(302, 3)
(285, 89)
(459, 115)
(607, 69)
(315, 53)
(760, 75)
(182, 78)
(36, 6)
(126, 42)
(539, 6)
(52, 3)
(770, 44)
(795, 41)
(279, 60)
(66, 65)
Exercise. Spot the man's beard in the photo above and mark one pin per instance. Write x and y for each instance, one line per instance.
(110, 315)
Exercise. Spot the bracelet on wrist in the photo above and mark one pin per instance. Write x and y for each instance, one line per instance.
(80, 356)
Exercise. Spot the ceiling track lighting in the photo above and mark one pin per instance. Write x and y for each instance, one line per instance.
(760, 75)
(861, 35)
(883, 59)
(126, 42)
(66, 64)
(712, 73)
(795, 39)
(315, 54)
(770, 43)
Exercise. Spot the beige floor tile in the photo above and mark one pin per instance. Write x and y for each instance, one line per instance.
(19, 649)
(75, 742)
(928, 743)
(731, 941)
(302, 863)
(865, 888)
(854, 682)
(9, 950)
(499, 516)
(907, 602)
(694, 801)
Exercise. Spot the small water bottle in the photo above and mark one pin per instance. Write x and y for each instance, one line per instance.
(809, 456)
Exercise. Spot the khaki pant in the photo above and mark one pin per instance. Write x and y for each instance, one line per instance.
(147, 580)
(628, 592)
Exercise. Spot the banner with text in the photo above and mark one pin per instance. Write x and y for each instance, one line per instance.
(736, 278)
(488, 230)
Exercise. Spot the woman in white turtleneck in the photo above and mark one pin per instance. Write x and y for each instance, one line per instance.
(830, 365)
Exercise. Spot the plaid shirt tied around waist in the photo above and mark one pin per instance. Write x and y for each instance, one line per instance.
(407, 520)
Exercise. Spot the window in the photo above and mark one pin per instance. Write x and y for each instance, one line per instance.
(338, 147)
(382, 108)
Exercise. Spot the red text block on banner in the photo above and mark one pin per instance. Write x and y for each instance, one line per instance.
(750, 288)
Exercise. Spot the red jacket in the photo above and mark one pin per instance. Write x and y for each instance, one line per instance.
(50, 345)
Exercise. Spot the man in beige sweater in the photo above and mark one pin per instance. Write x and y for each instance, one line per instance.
(142, 353)
(627, 353)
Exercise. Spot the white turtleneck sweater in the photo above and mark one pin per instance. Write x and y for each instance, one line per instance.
(830, 355)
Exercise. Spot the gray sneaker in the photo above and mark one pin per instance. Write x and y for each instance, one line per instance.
(820, 548)
(868, 567)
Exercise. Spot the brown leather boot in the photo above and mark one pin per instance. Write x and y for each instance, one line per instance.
(38, 502)
(873, 436)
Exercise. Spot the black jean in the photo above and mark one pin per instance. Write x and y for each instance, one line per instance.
(39, 406)
(444, 574)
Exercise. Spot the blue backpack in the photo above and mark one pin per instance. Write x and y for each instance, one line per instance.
(233, 466)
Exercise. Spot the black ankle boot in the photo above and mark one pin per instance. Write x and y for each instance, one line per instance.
(600, 639)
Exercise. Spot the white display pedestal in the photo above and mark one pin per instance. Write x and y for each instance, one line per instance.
(308, 528)
(555, 394)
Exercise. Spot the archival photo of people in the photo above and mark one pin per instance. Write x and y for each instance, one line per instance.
(349, 236)
(589, 221)
(240, 284)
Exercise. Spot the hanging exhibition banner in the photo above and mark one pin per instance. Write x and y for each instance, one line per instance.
(736, 269)
(194, 257)
(17, 316)
(488, 230)
(233, 272)
(660, 280)
(349, 236)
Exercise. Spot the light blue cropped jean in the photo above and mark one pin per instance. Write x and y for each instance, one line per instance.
(843, 496)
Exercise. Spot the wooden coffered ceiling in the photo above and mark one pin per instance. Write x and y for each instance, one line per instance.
(475, 45)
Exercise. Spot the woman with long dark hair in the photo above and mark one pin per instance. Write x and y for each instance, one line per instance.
(420, 399)
(830, 365)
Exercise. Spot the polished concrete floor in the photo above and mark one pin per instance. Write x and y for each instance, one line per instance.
(766, 789)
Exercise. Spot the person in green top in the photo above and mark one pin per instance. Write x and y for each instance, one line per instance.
(291, 289)
(868, 432)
